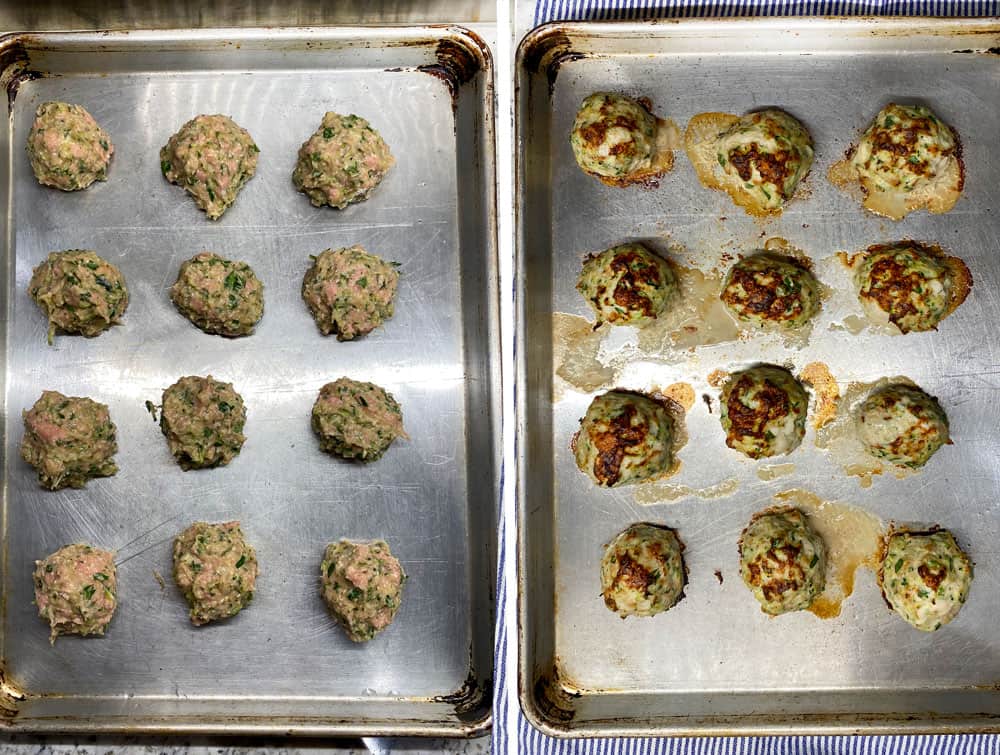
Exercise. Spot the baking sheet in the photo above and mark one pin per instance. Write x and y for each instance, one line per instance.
(282, 665)
(714, 664)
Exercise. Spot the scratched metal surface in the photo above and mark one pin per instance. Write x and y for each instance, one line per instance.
(715, 663)
(282, 664)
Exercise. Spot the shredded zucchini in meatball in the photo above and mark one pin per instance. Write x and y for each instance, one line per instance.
(642, 571)
(219, 296)
(202, 419)
(66, 147)
(76, 590)
(362, 585)
(216, 569)
(356, 420)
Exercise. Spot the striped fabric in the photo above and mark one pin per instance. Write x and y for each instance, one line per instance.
(511, 732)
(617, 10)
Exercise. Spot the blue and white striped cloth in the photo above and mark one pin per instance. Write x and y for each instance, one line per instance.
(511, 732)
(618, 10)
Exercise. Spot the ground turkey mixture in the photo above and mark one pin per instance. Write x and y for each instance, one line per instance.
(349, 291)
(68, 440)
(925, 577)
(362, 585)
(782, 560)
(216, 569)
(771, 288)
(619, 141)
(642, 571)
(67, 149)
(76, 590)
(79, 292)
(911, 285)
(212, 158)
(341, 162)
(627, 285)
(203, 420)
(356, 420)
(764, 411)
(624, 438)
(220, 296)
(902, 424)
(759, 158)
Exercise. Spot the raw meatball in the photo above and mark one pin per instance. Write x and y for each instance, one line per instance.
(218, 295)
(619, 141)
(771, 288)
(341, 162)
(911, 285)
(627, 285)
(906, 159)
(782, 560)
(68, 440)
(349, 291)
(764, 411)
(79, 292)
(902, 424)
(212, 158)
(67, 149)
(216, 569)
(362, 585)
(356, 420)
(758, 159)
(624, 438)
(76, 590)
(925, 577)
(203, 420)
(642, 571)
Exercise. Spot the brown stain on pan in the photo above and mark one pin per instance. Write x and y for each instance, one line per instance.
(468, 698)
(14, 71)
(548, 52)
(456, 65)
(554, 700)
(10, 696)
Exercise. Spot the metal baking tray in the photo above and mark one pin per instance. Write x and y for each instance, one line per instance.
(714, 664)
(282, 665)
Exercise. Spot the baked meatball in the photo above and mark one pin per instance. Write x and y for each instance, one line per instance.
(356, 420)
(76, 590)
(212, 158)
(907, 159)
(764, 411)
(625, 437)
(902, 424)
(216, 569)
(349, 291)
(68, 440)
(619, 141)
(771, 288)
(782, 560)
(79, 292)
(758, 159)
(362, 585)
(342, 162)
(203, 420)
(627, 285)
(925, 577)
(66, 147)
(219, 296)
(642, 571)
(911, 285)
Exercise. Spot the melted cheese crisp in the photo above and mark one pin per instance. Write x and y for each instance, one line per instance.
(618, 140)
(758, 159)
(642, 571)
(907, 159)
(925, 577)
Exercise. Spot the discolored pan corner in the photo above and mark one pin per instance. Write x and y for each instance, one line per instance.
(546, 50)
(10, 697)
(458, 61)
(554, 702)
(471, 699)
(14, 69)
